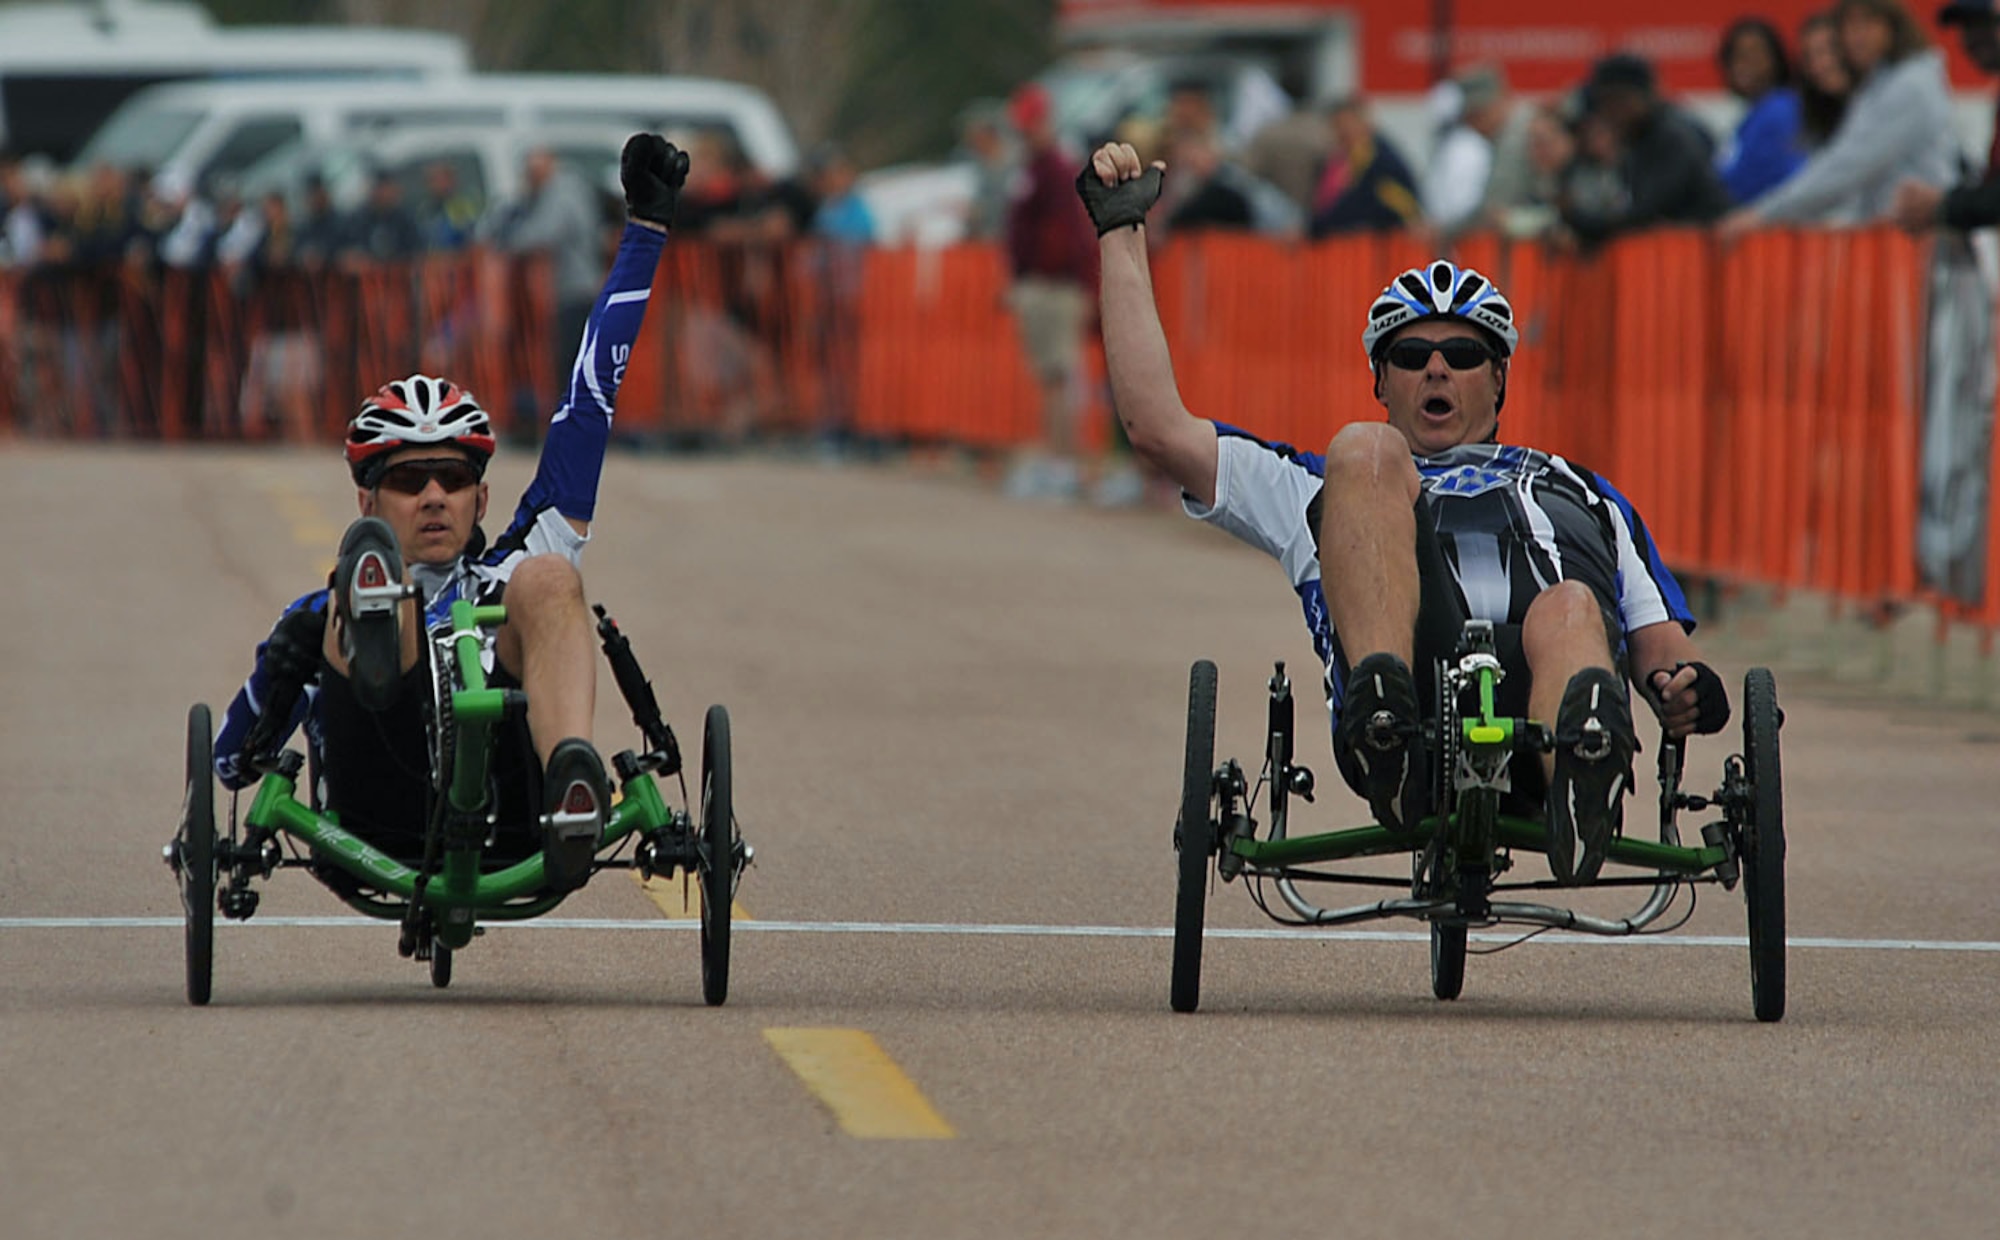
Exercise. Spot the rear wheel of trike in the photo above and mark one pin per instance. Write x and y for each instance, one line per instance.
(1194, 836)
(1447, 960)
(440, 965)
(194, 844)
(1763, 844)
(717, 853)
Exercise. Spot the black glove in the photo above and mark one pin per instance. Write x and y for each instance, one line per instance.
(1711, 700)
(291, 659)
(296, 648)
(652, 170)
(1115, 206)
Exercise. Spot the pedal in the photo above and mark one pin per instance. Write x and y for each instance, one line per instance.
(1384, 731)
(1595, 744)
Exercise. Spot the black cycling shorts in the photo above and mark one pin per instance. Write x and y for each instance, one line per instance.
(1441, 618)
(376, 769)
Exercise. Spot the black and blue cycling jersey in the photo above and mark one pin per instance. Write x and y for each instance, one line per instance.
(564, 487)
(1510, 521)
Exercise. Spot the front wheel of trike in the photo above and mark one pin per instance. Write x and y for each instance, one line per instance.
(1763, 844)
(1194, 836)
(194, 853)
(1447, 960)
(717, 855)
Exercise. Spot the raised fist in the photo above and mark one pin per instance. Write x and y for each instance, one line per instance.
(1115, 189)
(652, 171)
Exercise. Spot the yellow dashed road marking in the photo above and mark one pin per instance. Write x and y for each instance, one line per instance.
(848, 1071)
(680, 901)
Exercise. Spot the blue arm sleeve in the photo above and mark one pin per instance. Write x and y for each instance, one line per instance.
(248, 707)
(573, 454)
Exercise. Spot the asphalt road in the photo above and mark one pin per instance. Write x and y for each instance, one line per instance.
(958, 733)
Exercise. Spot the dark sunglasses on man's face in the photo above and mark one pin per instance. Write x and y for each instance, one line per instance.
(1459, 353)
(411, 477)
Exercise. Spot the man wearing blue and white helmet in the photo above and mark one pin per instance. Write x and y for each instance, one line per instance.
(1405, 529)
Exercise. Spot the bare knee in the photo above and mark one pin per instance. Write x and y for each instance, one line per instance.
(1565, 614)
(1371, 454)
(543, 579)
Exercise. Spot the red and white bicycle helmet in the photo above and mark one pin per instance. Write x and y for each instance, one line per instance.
(1443, 290)
(418, 410)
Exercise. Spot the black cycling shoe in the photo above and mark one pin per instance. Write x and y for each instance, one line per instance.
(576, 798)
(368, 593)
(1375, 743)
(1594, 747)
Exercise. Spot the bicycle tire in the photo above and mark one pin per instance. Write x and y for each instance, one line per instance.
(1194, 837)
(195, 845)
(717, 855)
(1763, 844)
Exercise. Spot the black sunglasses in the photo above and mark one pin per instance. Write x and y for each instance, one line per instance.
(1459, 352)
(411, 477)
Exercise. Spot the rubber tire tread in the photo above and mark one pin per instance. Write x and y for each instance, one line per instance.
(1764, 844)
(1447, 960)
(440, 965)
(197, 854)
(718, 853)
(1194, 835)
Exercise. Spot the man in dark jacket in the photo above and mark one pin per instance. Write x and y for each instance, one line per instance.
(1365, 184)
(1668, 163)
(1975, 201)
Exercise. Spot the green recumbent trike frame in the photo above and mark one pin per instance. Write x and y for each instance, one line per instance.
(441, 899)
(1459, 858)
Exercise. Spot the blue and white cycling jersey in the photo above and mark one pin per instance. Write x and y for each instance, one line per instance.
(564, 486)
(1511, 522)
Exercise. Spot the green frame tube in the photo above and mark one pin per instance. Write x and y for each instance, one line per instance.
(1485, 732)
(277, 808)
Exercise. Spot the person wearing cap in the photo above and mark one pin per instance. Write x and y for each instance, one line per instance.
(1667, 161)
(1897, 128)
(1404, 530)
(1053, 266)
(1975, 201)
(1492, 110)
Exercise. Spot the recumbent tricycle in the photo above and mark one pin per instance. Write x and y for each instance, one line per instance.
(1460, 858)
(440, 900)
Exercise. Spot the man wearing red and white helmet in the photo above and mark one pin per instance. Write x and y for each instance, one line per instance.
(418, 450)
(1407, 528)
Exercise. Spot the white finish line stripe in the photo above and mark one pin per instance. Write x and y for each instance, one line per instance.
(1003, 930)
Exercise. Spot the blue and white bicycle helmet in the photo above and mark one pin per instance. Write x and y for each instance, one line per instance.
(1442, 290)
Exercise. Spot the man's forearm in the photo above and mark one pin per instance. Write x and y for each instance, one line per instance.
(1135, 345)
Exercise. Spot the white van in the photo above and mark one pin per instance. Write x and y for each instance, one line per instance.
(65, 67)
(188, 134)
(487, 161)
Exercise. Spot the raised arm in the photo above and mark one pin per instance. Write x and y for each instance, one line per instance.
(572, 460)
(1117, 191)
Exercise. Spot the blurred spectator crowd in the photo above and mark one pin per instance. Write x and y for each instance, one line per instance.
(1836, 117)
(1846, 120)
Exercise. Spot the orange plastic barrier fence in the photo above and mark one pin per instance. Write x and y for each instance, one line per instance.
(1759, 403)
